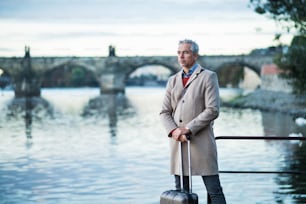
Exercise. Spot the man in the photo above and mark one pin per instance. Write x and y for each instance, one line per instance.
(190, 106)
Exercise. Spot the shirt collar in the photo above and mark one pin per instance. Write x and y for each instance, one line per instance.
(190, 71)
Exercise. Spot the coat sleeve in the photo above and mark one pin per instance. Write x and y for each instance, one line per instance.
(212, 104)
(166, 114)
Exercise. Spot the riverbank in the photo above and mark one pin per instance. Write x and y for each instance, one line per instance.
(271, 101)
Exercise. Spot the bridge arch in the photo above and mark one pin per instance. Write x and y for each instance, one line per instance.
(75, 72)
(172, 68)
(5, 78)
(71, 62)
(134, 68)
(241, 64)
(236, 74)
(152, 74)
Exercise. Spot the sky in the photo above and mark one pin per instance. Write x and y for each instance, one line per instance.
(133, 27)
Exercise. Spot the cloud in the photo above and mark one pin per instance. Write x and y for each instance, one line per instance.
(135, 27)
(122, 10)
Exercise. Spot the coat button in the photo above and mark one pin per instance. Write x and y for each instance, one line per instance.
(181, 121)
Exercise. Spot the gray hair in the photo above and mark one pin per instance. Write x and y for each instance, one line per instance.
(194, 46)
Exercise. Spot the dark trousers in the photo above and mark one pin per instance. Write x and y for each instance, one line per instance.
(212, 184)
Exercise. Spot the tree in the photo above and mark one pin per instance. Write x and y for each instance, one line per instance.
(294, 64)
(77, 76)
(290, 13)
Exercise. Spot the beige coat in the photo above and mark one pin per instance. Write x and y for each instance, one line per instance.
(196, 109)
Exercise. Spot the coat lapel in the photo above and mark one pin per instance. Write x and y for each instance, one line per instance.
(194, 75)
(180, 89)
(179, 82)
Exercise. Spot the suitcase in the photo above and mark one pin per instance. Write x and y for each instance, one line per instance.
(181, 196)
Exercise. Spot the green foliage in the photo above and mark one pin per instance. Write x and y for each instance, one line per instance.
(230, 75)
(77, 76)
(69, 76)
(291, 12)
(294, 64)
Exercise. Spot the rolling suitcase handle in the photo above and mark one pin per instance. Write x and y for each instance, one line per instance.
(189, 165)
(182, 196)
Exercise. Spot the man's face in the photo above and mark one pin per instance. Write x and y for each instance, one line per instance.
(185, 56)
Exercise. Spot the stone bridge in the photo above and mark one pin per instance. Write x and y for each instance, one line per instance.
(111, 72)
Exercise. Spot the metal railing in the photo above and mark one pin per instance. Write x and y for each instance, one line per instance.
(258, 138)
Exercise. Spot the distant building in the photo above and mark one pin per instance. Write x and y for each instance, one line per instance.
(270, 50)
(271, 81)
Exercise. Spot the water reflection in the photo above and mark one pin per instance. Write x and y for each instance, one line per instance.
(292, 156)
(262, 155)
(28, 108)
(292, 184)
(111, 106)
(280, 124)
(112, 149)
(28, 117)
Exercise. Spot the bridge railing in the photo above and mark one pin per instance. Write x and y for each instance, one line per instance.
(258, 138)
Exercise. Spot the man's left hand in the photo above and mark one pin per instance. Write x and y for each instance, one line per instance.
(180, 131)
(183, 138)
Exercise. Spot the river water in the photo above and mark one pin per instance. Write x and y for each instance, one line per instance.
(113, 150)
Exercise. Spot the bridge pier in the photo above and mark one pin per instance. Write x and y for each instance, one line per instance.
(27, 88)
(112, 83)
(27, 84)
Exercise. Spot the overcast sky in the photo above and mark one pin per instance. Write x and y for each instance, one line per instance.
(134, 27)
